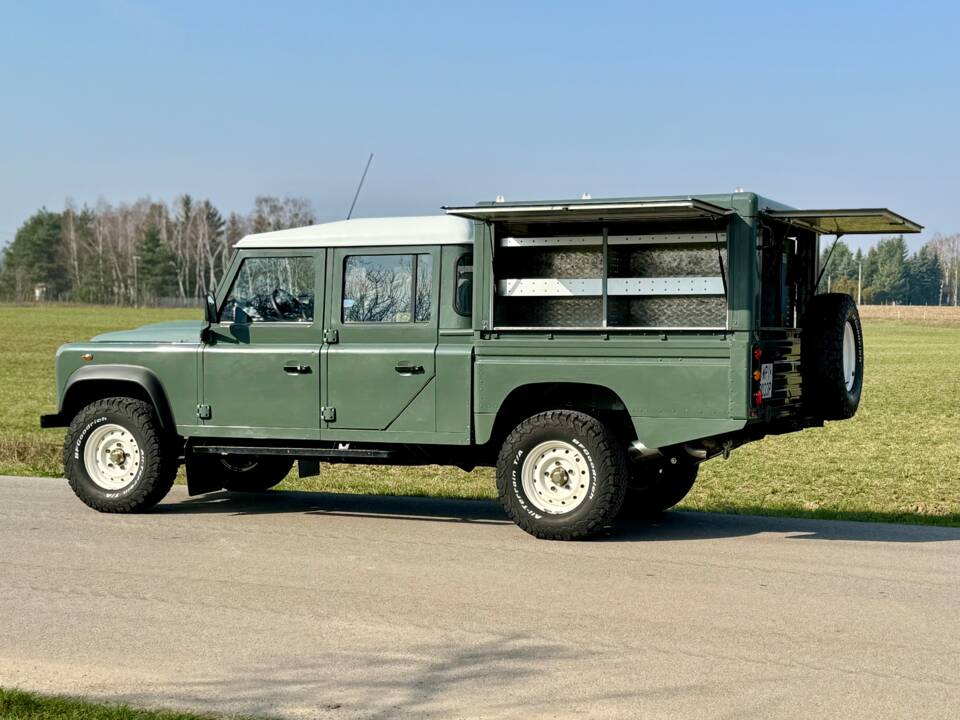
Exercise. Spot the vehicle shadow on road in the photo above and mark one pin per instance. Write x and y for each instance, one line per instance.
(670, 526)
(692, 525)
(400, 507)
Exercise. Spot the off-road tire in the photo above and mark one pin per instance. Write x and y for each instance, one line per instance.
(656, 486)
(158, 463)
(267, 472)
(824, 388)
(600, 449)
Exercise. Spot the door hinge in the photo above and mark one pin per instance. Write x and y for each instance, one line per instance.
(328, 414)
(331, 337)
(204, 412)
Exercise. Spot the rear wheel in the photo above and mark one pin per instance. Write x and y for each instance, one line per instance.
(116, 458)
(561, 475)
(246, 473)
(658, 485)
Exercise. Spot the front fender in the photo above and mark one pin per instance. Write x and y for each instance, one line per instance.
(78, 386)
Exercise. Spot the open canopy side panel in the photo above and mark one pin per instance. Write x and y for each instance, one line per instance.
(850, 221)
(589, 211)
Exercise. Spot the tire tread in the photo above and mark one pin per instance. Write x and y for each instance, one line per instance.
(159, 475)
(609, 458)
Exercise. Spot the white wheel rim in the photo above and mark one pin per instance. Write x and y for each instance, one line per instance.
(112, 457)
(556, 477)
(849, 355)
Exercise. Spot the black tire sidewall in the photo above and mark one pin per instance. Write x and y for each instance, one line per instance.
(520, 454)
(265, 474)
(658, 486)
(852, 396)
(600, 450)
(825, 387)
(89, 420)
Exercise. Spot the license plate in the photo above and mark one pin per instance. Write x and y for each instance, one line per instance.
(766, 379)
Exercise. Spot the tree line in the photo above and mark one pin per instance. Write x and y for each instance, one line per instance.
(888, 273)
(138, 253)
(148, 251)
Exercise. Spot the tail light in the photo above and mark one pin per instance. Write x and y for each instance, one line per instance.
(756, 394)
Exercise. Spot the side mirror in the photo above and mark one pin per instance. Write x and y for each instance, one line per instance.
(210, 309)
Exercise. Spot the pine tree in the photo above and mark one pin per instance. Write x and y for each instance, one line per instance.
(158, 273)
(889, 278)
(35, 257)
(923, 273)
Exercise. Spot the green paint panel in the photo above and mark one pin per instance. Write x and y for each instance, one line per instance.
(247, 384)
(174, 364)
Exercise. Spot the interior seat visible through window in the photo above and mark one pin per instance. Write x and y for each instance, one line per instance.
(272, 289)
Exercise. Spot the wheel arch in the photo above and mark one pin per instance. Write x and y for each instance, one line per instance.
(95, 382)
(532, 398)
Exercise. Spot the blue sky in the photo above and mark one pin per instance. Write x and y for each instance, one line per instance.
(812, 103)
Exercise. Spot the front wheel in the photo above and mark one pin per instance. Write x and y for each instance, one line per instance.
(561, 475)
(116, 458)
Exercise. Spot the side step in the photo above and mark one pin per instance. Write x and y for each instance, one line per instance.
(357, 455)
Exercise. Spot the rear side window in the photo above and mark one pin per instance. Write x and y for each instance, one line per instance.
(387, 288)
(463, 298)
(271, 289)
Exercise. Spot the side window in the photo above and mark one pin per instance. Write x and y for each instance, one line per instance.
(380, 288)
(271, 289)
(424, 286)
(463, 297)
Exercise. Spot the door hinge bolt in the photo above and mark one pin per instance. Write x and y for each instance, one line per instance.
(328, 414)
(331, 337)
(204, 412)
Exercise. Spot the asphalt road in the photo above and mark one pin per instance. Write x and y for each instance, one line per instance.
(334, 606)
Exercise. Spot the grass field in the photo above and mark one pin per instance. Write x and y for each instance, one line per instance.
(17, 705)
(897, 460)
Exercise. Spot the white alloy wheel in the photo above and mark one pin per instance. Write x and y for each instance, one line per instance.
(556, 477)
(111, 457)
(849, 355)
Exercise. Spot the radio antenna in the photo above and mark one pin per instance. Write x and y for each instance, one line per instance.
(362, 178)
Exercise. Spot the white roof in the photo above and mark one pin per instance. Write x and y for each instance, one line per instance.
(364, 232)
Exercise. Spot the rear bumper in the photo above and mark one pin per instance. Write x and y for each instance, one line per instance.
(53, 420)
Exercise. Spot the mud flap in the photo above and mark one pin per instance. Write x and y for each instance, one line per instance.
(201, 477)
(308, 468)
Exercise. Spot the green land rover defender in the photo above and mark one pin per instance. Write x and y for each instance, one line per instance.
(593, 351)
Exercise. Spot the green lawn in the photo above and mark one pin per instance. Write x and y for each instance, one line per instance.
(898, 459)
(18, 705)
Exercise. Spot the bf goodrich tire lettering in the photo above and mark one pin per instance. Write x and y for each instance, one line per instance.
(561, 475)
(133, 435)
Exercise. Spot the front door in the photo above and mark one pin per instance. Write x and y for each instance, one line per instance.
(380, 373)
(261, 363)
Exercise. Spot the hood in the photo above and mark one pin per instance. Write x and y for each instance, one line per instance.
(179, 331)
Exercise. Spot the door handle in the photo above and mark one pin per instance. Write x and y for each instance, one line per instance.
(296, 369)
(405, 368)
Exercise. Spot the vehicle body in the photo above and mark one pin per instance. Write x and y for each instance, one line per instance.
(669, 330)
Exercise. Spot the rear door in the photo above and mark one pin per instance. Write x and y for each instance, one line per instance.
(261, 363)
(381, 369)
